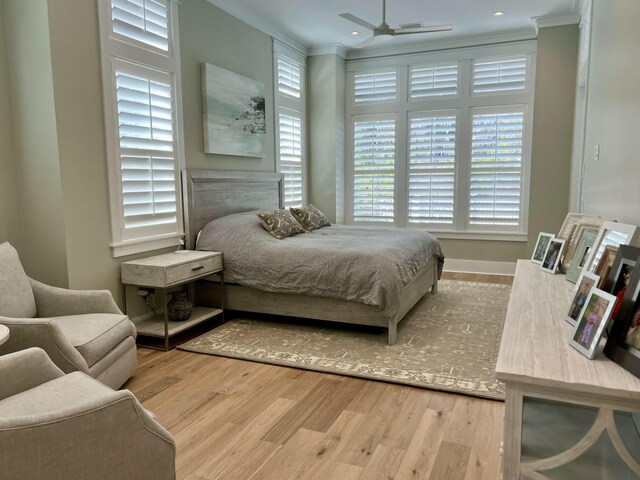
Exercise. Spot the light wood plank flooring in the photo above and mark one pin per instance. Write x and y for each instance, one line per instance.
(234, 419)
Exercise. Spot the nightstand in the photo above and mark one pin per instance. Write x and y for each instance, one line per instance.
(166, 274)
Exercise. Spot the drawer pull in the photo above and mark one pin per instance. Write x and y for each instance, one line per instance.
(197, 268)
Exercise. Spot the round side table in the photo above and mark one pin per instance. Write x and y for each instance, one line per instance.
(4, 334)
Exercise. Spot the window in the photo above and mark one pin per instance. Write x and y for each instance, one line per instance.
(289, 69)
(432, 158)
(374, 152)
(442, 141)
(144, 141)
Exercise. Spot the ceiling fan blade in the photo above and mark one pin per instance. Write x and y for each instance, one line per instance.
(366, 43)
(359, 21)
(434, 28)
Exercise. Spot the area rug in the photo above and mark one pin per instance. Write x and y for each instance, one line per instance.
(448, 341)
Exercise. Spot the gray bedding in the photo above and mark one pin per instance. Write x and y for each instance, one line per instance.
(366, 264)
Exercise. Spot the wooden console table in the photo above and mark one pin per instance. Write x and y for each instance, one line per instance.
(565, 416)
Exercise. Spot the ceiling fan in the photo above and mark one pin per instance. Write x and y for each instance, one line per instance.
(385, 31)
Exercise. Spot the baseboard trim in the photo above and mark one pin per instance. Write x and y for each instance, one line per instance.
(479, 266)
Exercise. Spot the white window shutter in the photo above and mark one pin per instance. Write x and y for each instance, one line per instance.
(290, 141)
(375, 87)
(374, 170)
(437, 81)
(491, 76)
(496, 168)
(146, 141)
(289, 78)
(145, 21)
(432, 164)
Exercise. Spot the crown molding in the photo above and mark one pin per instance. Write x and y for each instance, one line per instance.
(330, 49)
(232, 9)
(430, 46)
(544, 22)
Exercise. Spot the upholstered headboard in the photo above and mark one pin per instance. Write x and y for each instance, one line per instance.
(211, 194)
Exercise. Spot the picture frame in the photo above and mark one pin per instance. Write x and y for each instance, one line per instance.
(610, 233)
(592, 321)
(622, 269)
(584, 285)
(586, 223)
(541, 247)
(623, 343)
(581, 253)
(552, 255)
(606, 263)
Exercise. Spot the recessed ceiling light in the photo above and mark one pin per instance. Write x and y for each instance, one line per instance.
(499, 13)
(355, 32)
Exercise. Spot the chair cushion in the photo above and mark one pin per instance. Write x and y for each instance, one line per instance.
(16, 296)
(95, 334)
(53, 396)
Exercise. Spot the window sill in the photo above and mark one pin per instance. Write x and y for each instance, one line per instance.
(495, 236)
(145, 245)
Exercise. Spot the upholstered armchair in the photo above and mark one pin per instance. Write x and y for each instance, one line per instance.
(72, 427)
(80, 330)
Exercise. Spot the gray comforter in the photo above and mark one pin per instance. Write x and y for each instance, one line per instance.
(365, 264)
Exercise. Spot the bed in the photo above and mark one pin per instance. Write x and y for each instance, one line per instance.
(219, 206)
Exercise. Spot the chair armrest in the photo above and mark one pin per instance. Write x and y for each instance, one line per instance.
(56, 302)
(101, 434)
(23, 370)
(40, 332)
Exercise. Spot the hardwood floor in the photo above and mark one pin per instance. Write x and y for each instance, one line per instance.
(234, 419)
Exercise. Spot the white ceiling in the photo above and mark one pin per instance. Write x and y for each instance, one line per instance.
(316, 23)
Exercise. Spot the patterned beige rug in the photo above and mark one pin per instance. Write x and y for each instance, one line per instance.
(449, 341)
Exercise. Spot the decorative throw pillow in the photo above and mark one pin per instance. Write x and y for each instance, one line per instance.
(310, 217)
(280, 223)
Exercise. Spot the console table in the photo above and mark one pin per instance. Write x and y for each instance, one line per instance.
(566, 416)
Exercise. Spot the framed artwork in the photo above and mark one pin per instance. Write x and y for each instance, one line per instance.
(572, 220)
(233, 110)
(584, 285)
(605, 263)
(592, 321)
(610, 234)
(587, 223)
(581, 253)
(552, 256)
(623, 343)
(541, 247)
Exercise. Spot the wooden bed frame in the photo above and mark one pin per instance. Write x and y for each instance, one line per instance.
(211, 194)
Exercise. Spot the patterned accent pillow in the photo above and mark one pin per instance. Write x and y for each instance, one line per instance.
(310, 217)
(280, 223)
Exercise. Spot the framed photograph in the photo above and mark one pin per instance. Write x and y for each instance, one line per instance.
(606, 263)
(585, 283)
(541, 247)
(581, 253)
(552, 255)
(590, 224)
(623, 344)
(610, 234)
(623, 265)
(592, 321)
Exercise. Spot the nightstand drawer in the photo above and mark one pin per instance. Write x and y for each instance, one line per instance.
(180, 273)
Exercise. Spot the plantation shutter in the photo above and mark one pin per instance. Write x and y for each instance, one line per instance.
(496, 168)
(432, 163)
(375, 87)
(147, 155)
(289, 76)
(145, 21)
(374, 170)
(434, 81)
(499, 75)
(290, 138)
(613, 239)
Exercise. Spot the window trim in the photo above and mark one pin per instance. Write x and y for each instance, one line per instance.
(116, 48)
(463, 104)
(286, 104)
